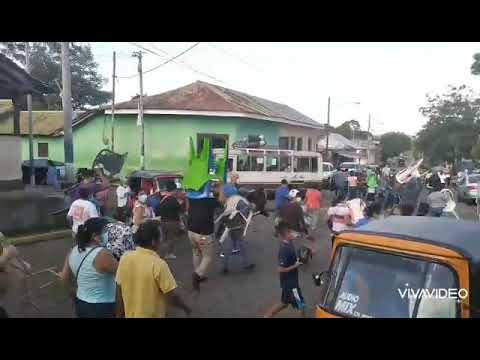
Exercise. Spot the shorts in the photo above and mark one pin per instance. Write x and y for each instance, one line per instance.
(94, 310)
(293, 297)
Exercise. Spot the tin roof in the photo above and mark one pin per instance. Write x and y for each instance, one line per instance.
(44, 122)
(15, 81)
(202, 96)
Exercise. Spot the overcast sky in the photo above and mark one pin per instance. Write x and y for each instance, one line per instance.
(390, 80)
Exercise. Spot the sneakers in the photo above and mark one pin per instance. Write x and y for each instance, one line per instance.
(235, 251)
(170, 257)
(222, 255)
(196, 281)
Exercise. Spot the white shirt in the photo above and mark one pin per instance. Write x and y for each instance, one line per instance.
(357, 207)
(386, 171)
(122, 197)
(80, 211)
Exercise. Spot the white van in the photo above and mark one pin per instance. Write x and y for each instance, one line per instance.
(328, 170)
(267, 167)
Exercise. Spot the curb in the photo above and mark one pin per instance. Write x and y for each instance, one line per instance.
(30, 239)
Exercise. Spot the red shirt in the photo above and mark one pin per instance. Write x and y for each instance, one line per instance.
(313, 199)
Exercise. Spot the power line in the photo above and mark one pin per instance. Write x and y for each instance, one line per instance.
(235, 56)
(187, 65)
(158, 66)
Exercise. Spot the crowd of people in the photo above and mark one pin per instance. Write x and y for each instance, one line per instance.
(119, 268)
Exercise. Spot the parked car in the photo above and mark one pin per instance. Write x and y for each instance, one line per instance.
(467, 187)
(352, 166)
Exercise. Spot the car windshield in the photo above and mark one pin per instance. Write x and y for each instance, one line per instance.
(367, 283)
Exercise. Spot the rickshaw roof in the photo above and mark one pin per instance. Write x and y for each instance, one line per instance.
(458, 235)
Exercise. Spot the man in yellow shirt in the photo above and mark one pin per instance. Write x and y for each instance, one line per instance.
(145, 285)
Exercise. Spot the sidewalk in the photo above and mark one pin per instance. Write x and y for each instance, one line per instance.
(44, 236)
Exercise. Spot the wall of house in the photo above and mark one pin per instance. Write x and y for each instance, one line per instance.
(166, 138)
(10, 158)
(301, 132)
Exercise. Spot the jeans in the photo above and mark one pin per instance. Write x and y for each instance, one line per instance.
(235, 241)
(341, 192)
(91, 310)
(203, 251)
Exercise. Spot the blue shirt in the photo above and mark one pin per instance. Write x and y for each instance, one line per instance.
(287, 257)
(281, 196)
(230, 190)
(93, 287)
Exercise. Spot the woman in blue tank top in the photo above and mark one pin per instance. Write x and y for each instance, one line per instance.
(94, 269)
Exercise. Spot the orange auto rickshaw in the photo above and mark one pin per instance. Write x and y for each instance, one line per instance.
(403, 267)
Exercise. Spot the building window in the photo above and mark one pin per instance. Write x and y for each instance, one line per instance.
(309, 144)
(283, 143)
(217, 141)
(43, 150)
(299, 144)
(292, 143)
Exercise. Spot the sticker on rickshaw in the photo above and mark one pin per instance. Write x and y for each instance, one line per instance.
(346, 304)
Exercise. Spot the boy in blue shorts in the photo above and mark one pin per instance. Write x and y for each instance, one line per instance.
(288, 265)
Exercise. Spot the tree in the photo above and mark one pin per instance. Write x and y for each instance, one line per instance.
(475, 152)
(476, 64)
(394, 143)
(452, 128)
(346, 129)
(46, 66)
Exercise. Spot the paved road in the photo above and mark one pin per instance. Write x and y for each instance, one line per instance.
(238, 294)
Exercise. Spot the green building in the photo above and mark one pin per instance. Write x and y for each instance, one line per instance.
(198, 110)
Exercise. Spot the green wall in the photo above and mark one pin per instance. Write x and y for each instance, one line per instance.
(166, 138)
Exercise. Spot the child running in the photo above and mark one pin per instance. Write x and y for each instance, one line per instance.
(288, 269)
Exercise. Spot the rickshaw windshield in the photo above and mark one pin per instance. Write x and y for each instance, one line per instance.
(368, 283)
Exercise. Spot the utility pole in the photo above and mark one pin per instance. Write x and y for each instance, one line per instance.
(138, 54)
(328, 129)
(30, 118)
(113, 103)
(67, 113)
(368, 142)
